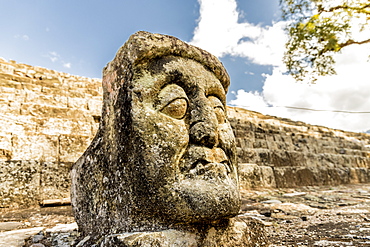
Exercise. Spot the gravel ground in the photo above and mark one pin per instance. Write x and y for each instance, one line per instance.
(313, 216)
(305, 216)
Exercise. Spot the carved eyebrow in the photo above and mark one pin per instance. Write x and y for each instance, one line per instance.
(172, 78)
(219, 96)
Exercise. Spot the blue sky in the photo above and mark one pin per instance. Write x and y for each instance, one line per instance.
(80, 37)
(87, 33)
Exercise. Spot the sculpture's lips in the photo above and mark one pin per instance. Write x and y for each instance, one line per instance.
(202, 167)
(201, 160)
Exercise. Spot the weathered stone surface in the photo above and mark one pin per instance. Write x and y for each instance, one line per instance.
(20, 182)
(252, 176)
(164, 157)
(39, 106)
(298, 154)
(55, 180)
(16, 238)
(7, 226)
(46, 123)
(28, 183)
(232, 233)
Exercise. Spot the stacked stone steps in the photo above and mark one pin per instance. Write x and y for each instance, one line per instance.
(288, 177)
(278, 158)
(299, 154)
(46, 115)
(49, 142)
(47, 119)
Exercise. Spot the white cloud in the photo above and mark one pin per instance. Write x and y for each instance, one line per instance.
(53, 56)
(25, 37)
(53, 53)
(220, 33)
(349, 90)
(250, 100)
(67, 65)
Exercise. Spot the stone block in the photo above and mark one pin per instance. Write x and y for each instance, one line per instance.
(7, 96)
(254, 176)
(359, 175)
(14, 108)
(80, 103)
(46, 111)
(260, 144)
(95, 85)
(56, 91)
(55, 180)
(95, 106)
(59, 126)
(6, 152)
(248, 155)
(56, 99)
(289, 177)
(34, 147)
(19, 183)
(47, 81)
(6, 68)
(77, 93)
(93, 92)
(31, 87)
(21, 79)
(245, 232)
(9, 86)
(71, 147)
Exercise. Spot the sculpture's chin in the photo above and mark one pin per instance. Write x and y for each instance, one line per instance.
(199, 200)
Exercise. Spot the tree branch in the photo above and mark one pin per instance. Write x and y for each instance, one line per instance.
(352, 42)
(359, 9)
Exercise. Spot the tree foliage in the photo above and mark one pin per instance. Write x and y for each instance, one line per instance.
(320, 28)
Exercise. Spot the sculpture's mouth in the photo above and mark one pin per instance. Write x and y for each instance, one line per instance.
(201, 161)
(201, 167)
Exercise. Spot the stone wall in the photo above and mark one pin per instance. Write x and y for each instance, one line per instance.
(30, 182)
(46, 115)
(284, 153)
(48, 118)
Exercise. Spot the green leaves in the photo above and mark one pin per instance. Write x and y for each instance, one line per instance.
(318, 29)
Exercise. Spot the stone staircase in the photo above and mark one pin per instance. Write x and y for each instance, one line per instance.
(47, 119)
(298, 154)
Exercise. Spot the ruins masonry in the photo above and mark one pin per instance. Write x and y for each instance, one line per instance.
(48, 119)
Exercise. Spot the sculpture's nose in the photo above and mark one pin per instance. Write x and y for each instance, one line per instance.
(204, 125)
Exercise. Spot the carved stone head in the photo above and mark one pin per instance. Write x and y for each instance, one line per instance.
(164, 155)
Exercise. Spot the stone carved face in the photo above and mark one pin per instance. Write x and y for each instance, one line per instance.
(164, 155)
(185, 150)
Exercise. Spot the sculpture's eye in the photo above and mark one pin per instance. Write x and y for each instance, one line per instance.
(172, 101)
(176, 108)
(218, 108)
